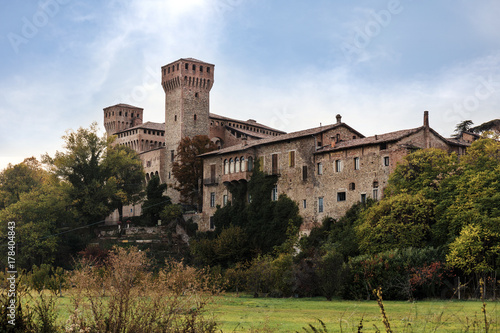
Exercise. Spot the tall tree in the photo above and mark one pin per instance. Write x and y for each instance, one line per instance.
(156, 200)
(188, 168)
(125, 170)
(464, 126)
(98, 173)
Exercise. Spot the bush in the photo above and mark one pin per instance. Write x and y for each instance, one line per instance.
(174, 300)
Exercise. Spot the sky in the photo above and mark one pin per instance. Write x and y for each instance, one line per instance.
(289, 64)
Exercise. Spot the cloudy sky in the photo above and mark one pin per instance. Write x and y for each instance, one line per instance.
(289, 64)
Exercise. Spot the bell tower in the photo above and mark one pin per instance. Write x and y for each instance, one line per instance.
(187, 83)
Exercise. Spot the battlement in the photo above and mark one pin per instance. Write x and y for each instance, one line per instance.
(187, 72)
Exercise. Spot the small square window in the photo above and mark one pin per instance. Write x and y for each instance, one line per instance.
(363, 198)
(386, 161)
(341, 196)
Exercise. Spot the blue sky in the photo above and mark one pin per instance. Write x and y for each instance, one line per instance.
(289, 64)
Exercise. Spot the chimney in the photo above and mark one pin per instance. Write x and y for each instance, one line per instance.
(376, 137)
(426, 118)
(339, 119)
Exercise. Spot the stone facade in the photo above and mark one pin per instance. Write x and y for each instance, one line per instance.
(324, 169)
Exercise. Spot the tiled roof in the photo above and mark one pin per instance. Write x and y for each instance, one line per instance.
(147, 125)
(279, 138)
(371, 140)
(125, 106)
(247, 122)
(189, 59)
(249, 133)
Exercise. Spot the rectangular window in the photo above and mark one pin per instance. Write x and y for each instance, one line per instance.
(304, 172)
(320, 168)
(172, 156)
(363, 198)
(341, 196)
(320, 205)
(224, 200)
(212, 199)
(274, 194)
(274, 166)
(338, 166)
(356, 163)
(212, 224)
(212, 174)
(304, 203)
(375, 194)
(383, 146)
(291, 158)
(386, 161)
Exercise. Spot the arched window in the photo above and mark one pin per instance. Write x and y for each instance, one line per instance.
(226, 167)
(243, 164)
(250, 163)
(231, 165)
(237, 165)
(147, 177)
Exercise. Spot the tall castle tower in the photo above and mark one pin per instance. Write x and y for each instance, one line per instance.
(120, 117)
(187, 84)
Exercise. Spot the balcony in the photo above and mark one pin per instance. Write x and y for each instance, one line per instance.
(214, 181)
(237, 176)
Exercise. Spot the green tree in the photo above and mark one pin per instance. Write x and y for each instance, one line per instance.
(400, 221)
(422, 171)
(125, 171)
(188, 168)
(97, 173)
(475, 250)
(41, 215)
(464, 126)
(156, 200)
(20, 178)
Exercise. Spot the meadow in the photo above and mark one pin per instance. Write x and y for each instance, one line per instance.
(243, 313)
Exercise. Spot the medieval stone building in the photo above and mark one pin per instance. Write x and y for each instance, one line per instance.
(324, 169)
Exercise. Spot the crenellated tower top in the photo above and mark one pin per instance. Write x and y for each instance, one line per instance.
(187, 72)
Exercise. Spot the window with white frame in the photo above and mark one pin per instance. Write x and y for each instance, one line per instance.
(356, 163)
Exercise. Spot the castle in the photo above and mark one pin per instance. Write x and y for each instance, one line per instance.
(324, 169)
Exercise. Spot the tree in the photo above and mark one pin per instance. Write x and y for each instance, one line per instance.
(20, 178)
(475, 250)
(125, 171)
(97, 172)
(188, 168)
(40, 216)
(155, 201)
(422, 171)
(400, 221)
(464, 126)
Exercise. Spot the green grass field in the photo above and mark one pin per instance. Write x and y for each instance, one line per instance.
(244, 313)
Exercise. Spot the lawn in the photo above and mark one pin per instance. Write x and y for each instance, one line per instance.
(244, 313)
